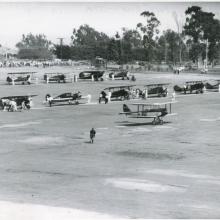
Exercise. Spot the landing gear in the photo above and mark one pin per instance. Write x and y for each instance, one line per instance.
(157, 121)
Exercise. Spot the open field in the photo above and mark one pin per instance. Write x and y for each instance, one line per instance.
(138, 171)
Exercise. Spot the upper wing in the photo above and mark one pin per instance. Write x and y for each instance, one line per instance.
(154, 104)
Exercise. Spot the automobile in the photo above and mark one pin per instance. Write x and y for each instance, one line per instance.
(95, 75)
(55, 77)
(157, 90)
(213, 85)
(123, 74)
(178, 69)
(204, 71)
(190, 87)
(119, 92)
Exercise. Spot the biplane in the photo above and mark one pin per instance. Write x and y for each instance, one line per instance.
(213, 85)
(55, 77)
(123, 74)
(20, 78)
(190, 87)
(155, 111)
(157, 90)
(64, 98)
(120, 92)
(12, 103)
(96, 75)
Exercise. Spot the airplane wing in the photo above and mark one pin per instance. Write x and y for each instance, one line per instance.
(157, 84)
(119, 87)
(141, 116)
(153, 104)
(21, 73)
(165, 103)
(127, 113)
(19, 96)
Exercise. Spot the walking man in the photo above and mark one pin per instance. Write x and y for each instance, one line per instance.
(92, 135)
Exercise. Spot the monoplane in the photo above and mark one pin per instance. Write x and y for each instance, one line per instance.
(20, 78)
(155, 111)
(64, 98)
(22, 102)
(95, 75)
(123, 74)
(119, 92)
(55, 77)
(157, 90)
(190, 87)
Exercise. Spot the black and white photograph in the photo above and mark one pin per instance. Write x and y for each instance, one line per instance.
(109, 110)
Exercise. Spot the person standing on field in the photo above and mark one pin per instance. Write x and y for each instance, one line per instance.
(92, 135)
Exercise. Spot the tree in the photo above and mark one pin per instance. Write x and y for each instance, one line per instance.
(202, 27)
(149, 31)
(168, 46)
(34, 47)
(66, 51)
(179, 25)
(112, 50)
(87, 39)
(131, 39)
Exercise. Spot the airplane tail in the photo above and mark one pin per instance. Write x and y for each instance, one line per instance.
(126, 109)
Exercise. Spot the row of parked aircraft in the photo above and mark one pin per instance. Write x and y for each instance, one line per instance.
(155, 111)
(126, 92)
(96, 75)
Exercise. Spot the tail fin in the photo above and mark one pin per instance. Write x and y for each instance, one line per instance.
(126, 109)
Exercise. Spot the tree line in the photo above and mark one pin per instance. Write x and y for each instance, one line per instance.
(198, 38)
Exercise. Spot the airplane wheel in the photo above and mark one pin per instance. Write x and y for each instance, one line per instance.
(22, 83)
(154, 122)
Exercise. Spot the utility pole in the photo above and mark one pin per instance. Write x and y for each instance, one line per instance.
(61, 47)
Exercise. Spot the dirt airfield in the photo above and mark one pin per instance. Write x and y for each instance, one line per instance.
(49, 170)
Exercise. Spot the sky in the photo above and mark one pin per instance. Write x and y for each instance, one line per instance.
(57, 19)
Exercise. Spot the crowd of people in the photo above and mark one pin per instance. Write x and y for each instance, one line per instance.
(35, 63)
